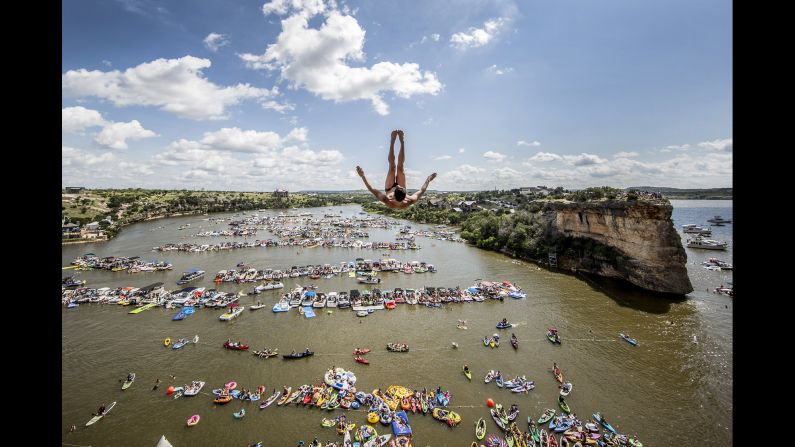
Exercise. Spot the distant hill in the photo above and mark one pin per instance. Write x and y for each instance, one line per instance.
(693, 194)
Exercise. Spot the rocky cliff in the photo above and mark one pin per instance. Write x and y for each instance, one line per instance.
(634, 241)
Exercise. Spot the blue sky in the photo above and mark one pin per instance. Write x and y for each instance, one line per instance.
(253, 95)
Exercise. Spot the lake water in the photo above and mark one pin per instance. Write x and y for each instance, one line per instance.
(669, 390)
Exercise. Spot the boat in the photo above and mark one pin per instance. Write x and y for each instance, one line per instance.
(223, 399)
(362, 313)
(256, 306)
(163, 442)
(558, 374)
(514, 341)
(179, 343)
(128, 382)
(548, 414)
(397, 347)
(598, 418)
(298, 355)
(361, 351)
(564, 406)
(400, 424)
(695, 229)
(185, 312)
(565, 389)
(504, 325)
(94, 420)
(719, 220)
(362, 360)
(513, 412)
(194, 388)
(552, 335)
(193, 420)
(448, 416)
(266, 353)
(377, 441)
(628, 339)
(266, 403)
(467, 373)
(190, 275)
(234, 310)
(282, 306)
(235, 346)
(480, 429)
(239, 414)
(707, 244)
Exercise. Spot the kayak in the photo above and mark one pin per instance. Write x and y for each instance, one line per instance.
(362, 360)
(480, 429)
(129, 382)
(468, 374)
(598, 418)
(236, 347)
(98, 417)
(240, 413)
(193, 420)
(558, 374)
(270, 400)
(565, 407)
(360, 351)
(285, 396)
(629, 339)
(548, 413)
(178, 344)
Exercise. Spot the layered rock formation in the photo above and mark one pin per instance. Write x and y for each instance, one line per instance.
(634, 241)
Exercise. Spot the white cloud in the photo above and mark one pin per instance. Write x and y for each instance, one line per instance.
(461, 150)
(499, 71)
(584, 159)
(477, 37)
(214, 41)
(76, 119)
(718, 145)
(442, 157)
(107, 63)
(318, 59)
(435, 37)
(545, 156)
(535, 143)
(626, 155)
(115, 135)
(494, 156)
(177, 86)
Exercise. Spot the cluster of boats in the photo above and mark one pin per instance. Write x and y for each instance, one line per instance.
(293, 242)
(716, 264)
(133, 264)
(517, 384)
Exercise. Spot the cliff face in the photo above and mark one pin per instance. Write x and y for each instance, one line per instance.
(641, 243)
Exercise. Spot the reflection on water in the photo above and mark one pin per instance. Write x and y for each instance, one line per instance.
(655, 389)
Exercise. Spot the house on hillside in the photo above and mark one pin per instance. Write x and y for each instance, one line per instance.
(439, 203)
(281, 193)
(74, 189)
(467, 205)
(542, 190)
(70, 230)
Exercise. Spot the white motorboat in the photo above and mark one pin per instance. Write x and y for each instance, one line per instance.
(695, 229)
(232, 314)
(706, 244)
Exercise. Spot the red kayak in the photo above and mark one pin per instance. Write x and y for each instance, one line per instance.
(362, 360)
(235, 347)
(360, 351)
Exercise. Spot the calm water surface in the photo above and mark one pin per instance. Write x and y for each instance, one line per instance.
(659, 390)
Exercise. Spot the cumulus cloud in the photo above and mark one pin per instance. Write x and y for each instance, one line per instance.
(534, 143)
(675, 147)
(214, 41)
(461, 150)
(115, 135)
(545, 156)
(718, 145)
(477, 37)
(584, 159)
(76, 119)
(112, 135)
(442, 157)
(318, 59)
(494, 156)
(626, 154)
(177, 86)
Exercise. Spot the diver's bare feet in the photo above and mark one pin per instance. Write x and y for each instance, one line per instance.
(360, 171)
(393, 135)
(431, 177)
(400, 135)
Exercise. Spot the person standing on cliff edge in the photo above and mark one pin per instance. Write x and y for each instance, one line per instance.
(395, 185)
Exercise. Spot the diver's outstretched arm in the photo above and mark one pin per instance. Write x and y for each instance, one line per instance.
(377, 193)
(416, 196)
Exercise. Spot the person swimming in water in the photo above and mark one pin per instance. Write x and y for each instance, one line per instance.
(395, 195)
